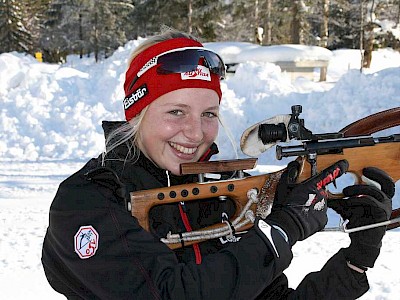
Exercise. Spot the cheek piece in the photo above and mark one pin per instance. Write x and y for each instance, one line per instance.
(167, 66)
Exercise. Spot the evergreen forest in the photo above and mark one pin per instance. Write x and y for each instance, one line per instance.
(57, 28)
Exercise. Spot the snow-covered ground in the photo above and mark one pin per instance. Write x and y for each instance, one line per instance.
(50, 124)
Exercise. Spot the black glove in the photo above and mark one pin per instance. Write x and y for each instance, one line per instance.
(300, 210)
(366, 205)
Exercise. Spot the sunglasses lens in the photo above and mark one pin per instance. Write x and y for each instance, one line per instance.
(216, 64)
(187, 60)
(177, 62)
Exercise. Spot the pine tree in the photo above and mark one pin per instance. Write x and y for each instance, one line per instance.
(387, 11)
(56, 33)
(242, 17)
(299, 24)
(150, 15)
(240, 21)
(206, 18)
(105, 29)
(199, 17)
(35, 17)
(14, 35)
(85, 26)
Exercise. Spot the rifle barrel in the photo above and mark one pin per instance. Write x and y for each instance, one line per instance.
(332, 146)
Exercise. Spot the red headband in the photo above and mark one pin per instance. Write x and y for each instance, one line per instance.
(151, 85)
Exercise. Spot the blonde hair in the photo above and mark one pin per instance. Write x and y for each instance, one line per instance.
(166, 35)
(128, 133)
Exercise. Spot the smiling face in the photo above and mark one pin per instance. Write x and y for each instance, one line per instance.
(179, 127)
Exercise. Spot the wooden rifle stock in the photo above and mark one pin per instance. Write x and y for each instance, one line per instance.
(236, 189)
(383, 156)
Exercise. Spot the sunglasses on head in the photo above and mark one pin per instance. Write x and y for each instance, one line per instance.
(182, 60)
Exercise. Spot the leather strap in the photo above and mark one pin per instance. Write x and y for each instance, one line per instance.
(374, 123)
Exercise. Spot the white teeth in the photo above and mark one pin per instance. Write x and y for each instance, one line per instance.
(183, 149)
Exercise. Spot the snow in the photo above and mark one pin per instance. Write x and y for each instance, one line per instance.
(229, 51)
(285, 53)
(388, 26)
(50, 125)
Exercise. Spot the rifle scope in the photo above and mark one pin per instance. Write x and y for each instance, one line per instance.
(271, 133)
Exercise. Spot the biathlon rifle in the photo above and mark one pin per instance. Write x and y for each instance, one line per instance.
(253, 195)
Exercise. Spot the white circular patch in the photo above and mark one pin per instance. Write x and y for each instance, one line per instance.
(86, 241)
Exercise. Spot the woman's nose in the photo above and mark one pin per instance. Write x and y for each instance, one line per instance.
(193, 129)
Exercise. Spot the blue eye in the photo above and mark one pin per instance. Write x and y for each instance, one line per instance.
(176, 112)
(210, 114)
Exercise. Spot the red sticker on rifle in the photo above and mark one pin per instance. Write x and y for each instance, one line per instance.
(86, 241)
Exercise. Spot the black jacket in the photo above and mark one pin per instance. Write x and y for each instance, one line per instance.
(95, 249)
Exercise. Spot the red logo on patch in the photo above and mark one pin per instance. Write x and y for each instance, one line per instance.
(86, 242)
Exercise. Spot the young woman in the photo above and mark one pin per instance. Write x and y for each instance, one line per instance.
(95, 249)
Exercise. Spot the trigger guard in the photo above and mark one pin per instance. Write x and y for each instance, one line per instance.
(293, 171)
(348, 179)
